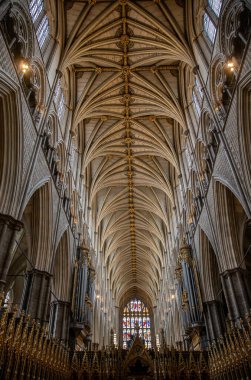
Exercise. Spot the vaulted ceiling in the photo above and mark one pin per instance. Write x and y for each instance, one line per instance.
(123, 59)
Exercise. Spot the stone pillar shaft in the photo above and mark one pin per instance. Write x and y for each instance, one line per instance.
(189, 282)
(214, 319)
(36, 294)
(81, 284)
(60, 320)
(9, 228)
(236, 293)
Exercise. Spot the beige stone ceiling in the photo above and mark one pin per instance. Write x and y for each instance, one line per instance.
(122, 63)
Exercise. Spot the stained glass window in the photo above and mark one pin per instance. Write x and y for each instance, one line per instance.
(215, 5)
(136, 317)
(209, 27)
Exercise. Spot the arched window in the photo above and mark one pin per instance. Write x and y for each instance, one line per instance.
(197, 97)
(210, 17)
(136, 316)
(59, 100)
(209, 27)
(36, 7)
(215, 5)
(43, 31)
(40, 19)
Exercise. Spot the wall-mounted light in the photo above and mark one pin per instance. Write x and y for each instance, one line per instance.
(24, 67)
(230, 65)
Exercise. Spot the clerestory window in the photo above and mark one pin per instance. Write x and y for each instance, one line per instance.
(197, 97)
(40, 18)
(43, 31)
(36, 7)
(59, 100)
(215, 5)
(209, 27)
(209, 21)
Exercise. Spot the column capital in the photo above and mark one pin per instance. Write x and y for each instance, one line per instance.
(36, 271)
(185, 302)
(12, 223)
(229, 272)
(178, 272)
(184, 252)
(60, 302)
(84, 250)
(92, 272)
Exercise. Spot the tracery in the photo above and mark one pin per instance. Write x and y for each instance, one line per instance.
(136, 319)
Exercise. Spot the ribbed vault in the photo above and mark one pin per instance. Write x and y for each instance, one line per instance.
(122, 62)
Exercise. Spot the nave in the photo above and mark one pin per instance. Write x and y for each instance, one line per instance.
(125, 189)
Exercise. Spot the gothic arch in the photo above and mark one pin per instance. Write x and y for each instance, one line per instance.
(230, 221)
(235, 20)
(37, 218)
(61, 269)
(33, 244)
(209, 268)
(18, 26)
(244, 124)
(17, 269)
(11, 146)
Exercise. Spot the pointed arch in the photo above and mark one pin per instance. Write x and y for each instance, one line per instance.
(62, 269)
(244, 124)
(11, 146)
(230, 220)
(209, 269)
(38, 224)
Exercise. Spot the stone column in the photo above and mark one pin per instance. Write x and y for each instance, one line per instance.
(9, 228)
(80, 283)
(181, 297)
(189, 282)
(89, 297)
(36, 294)
(236, 294)
(214, 319)
(60, 320)
(91, 284)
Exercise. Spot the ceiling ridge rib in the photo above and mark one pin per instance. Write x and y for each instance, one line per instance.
(125, 42)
